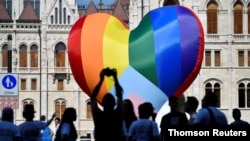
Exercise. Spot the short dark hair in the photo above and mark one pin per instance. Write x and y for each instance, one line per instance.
(193, 102)
(236, 113)
(145, 110)
(211, 98)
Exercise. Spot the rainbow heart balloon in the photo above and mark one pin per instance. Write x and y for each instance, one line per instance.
(159, 58)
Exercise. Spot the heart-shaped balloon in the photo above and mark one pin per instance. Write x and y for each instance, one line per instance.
(159, 58)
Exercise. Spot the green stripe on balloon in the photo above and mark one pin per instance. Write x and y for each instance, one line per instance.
(141, 50)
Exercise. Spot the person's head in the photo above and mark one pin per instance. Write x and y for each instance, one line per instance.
(69, 115)
(236, 114)
(191, 104)
(145, 110)
(8, 114)
(108, 102)
(43, 118)
(128, 106)
(57, 120)
(173, 103)
(210, 99)
(29, 112)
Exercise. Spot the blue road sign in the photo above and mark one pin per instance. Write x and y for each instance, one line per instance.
(8, 84)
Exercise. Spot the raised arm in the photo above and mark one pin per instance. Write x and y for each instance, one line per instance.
(51, 119)
(118, 88)
(98, 86)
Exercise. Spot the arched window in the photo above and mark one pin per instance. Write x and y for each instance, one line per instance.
(5, 55)
(60, 106)
(216, 88)
(56, 16)
(28, 101)
(23, 56)
(60, 54)
(88, 110)
(169, 2)
(238, 18)
(64, 15)
(212, 9)
(34, 56)
(60, 11)
(208, 88)
(68, 19)
(217, 92)
(244, 95)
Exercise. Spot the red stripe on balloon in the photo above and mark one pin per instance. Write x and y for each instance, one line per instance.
(92, 51)
(74, 54)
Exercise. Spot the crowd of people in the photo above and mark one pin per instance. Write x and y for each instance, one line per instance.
(117, 120)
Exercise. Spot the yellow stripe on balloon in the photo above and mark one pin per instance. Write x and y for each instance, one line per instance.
(115, 47)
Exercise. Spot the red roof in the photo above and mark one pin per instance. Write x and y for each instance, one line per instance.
(4, 15)
(28, 13)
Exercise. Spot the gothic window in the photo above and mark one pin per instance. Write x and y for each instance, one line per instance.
(68, 19)
(23, 56)
(238, 17)
(60, 54)
(34, 56)
(212, 9)
(208, 88)
(169, 2)
(28, 101)
(60, 11)
(215, 88)
(64, 15)
(5, 55)
(217, 92)
(60, 106)
(244, 95)
(52, 19)
(56, 15)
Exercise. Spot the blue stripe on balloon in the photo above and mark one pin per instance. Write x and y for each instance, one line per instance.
(188, 24)
(167, 47)
(142, 87)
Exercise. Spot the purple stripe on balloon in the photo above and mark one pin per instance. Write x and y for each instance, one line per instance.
(188, 24)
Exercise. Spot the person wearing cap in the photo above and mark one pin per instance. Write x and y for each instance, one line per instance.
(8, 130)
(30, 129)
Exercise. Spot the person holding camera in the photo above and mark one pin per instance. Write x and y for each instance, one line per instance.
(109, 123)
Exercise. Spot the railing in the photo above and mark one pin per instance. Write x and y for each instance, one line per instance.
(243, 38)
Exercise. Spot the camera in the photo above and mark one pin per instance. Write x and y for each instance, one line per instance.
(108, 72)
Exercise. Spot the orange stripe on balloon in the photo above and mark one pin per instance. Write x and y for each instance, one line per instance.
(92, 49)
(115, 47)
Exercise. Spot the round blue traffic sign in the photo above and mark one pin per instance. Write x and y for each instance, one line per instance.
(9, 82)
